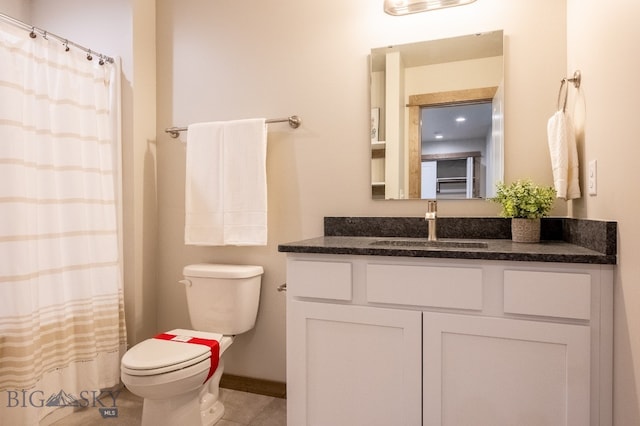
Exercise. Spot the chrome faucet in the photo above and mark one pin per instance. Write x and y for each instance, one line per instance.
(430, 217)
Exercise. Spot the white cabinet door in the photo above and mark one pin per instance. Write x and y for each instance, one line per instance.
(486, 371)
(353, 366)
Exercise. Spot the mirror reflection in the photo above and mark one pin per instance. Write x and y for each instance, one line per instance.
(437, 118)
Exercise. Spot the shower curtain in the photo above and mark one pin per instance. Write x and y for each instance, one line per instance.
(61, 300)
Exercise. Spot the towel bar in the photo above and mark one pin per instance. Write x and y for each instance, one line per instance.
(294, 122)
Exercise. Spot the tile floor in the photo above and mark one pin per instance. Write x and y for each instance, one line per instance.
(241, 409)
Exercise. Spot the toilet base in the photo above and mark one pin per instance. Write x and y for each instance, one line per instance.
(212, 415)
(180, 410)
(197, 407)
(211, 408)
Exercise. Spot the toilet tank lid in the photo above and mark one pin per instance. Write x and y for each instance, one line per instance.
(214, 270)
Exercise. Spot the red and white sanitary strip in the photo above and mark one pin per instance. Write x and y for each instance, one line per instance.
(213, 345)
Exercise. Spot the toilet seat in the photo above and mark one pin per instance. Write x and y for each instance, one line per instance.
(156, 356)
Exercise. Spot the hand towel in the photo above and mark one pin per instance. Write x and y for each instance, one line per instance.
(226, 183)
(564, 156)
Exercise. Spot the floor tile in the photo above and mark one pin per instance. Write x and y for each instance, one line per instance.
(224, 422)
(242, 407)
(274, 414)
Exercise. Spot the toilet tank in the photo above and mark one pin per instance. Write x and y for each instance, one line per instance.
(223, 298)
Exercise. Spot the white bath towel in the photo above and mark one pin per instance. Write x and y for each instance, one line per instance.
(226, 183)
(564, 156)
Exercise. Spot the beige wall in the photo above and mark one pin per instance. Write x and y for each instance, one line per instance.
(459, 75)
(602, 43)
(140, 183)
(18, 9)
(230, 60)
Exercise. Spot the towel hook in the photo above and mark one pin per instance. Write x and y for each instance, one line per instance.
(564, 83)
(576, 79)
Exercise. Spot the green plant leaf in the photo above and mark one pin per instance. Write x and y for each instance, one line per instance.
(524, 199)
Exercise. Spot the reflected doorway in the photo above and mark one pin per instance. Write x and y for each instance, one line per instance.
(432, 122)
(455, 140)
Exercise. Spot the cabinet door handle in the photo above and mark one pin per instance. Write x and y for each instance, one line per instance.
(282, 287)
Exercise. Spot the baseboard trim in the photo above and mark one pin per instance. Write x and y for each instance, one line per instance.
(259, 386)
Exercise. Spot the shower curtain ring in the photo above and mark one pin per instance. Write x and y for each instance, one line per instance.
(32, 34)
(89, 57)
(66, 45)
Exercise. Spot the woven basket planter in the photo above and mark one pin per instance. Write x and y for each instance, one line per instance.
(525, 230)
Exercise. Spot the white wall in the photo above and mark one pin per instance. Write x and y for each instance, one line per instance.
(229, 60)
(602, 43)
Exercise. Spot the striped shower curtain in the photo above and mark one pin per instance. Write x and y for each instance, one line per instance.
(61, 300)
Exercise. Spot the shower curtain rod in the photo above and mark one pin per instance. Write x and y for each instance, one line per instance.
(46, 34)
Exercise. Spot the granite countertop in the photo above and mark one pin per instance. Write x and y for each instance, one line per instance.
(564, 240)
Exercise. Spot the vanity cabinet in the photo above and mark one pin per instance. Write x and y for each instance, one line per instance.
(361, 365)
(376, 340)
(495, 371)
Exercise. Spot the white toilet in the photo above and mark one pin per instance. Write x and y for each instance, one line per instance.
(173, 371)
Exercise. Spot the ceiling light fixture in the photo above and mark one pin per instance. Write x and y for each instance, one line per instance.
(405, 7)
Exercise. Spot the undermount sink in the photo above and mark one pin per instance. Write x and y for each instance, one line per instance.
(433, 244)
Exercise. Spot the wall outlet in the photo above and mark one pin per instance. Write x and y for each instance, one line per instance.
(592, 181)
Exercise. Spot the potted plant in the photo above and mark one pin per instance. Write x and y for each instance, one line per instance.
(525, 203)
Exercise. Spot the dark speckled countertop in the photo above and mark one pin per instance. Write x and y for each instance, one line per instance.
(563, 240)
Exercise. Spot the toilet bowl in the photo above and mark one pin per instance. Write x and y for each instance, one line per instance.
(178, 372)
(173, 378)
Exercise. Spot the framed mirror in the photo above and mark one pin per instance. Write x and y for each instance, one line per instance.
(437, 118)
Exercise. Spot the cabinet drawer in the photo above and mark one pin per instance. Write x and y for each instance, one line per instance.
(323, 280)
(552, 294)
(432, 286)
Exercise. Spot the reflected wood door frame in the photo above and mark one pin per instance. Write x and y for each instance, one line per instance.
(416, 103)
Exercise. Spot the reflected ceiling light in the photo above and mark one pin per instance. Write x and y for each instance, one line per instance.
(461, 119)
(438, 135)
(405, 7)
